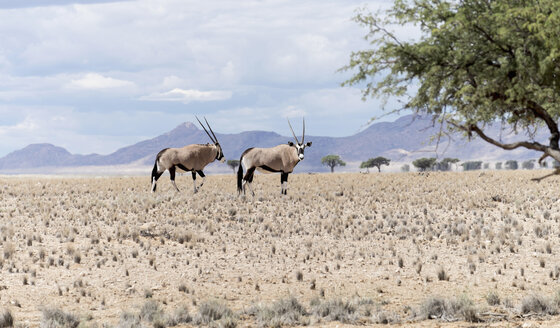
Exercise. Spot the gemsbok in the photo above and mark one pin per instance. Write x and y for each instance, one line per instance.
(191, 158)
(282, 158)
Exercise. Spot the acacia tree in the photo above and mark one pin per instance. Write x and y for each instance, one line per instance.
(233, 164)
(424, 164)
(476, 63)
(375, 162)
(332, 161)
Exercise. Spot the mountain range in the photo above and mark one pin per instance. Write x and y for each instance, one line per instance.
(403, 140)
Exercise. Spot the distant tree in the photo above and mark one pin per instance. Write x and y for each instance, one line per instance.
(544, 164)
(498, 165)
(528, 165)
(424, 164)
(486, 166)
(405, 168)
(445, 164)
(512, 164)
(332, 161)
(472, 165)
(375, 162)
(233, 163)
(555, 164)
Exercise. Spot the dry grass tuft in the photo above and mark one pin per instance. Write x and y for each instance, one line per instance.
(56, 318)
(6, 319)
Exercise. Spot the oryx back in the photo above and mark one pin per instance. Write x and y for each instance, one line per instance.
(191, 157)
(281, 158)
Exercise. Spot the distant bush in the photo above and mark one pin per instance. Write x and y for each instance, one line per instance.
(528, 165)
(512, 165)
(472, 165)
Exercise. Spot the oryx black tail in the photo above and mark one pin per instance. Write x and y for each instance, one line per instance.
(240, 176)
(155, 173)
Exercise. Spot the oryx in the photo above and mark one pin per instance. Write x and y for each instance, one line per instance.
(282, 158)
(189, 158)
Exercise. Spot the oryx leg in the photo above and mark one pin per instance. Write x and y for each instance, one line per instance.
(155, 179)
(194, 181)
(172, 177)
(284, 182)
(248, 178)
(201, 174)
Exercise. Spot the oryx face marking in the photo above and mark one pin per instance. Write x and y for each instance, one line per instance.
(300, 148)
(220, 154)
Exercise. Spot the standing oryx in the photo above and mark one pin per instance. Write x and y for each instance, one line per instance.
(282, 158)
(189, 158)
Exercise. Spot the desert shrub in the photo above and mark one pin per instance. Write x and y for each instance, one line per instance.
(212, 311)
(385, 318)
(129, 320)
(448, 309)
(151, 311)
(442, 275)
(492, 298)
(335, 310)
(180, 316)
(56, 318)
(6, 319)
(285, 312)
(538, 304)
(9, 250)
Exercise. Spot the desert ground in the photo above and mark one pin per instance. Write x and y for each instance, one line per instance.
(406, 249)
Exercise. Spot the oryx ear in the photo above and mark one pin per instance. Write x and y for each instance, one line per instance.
(291, 144)
(309, 144)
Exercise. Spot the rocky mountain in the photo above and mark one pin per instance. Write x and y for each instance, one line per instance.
(403, 140)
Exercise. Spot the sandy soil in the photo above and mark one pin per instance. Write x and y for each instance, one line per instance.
(98, 246)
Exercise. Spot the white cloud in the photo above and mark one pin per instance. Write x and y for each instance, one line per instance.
(278, 57)
(186, 96)
(98, 81)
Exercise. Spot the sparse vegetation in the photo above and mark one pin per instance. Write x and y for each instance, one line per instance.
(451, 221)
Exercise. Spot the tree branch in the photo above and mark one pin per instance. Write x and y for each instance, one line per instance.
(510, 146)
(473, 128)
(541, 113)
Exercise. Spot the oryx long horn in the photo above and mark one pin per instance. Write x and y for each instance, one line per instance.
(303, 135)
(209, 136)
(293, 131)
(216, 138)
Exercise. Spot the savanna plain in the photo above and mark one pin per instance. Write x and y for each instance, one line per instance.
(451, 249)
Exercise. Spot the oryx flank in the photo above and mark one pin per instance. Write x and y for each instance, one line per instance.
(282, 159)
(189, 158)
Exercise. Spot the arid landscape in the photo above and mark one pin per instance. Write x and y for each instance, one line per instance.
(408, 249)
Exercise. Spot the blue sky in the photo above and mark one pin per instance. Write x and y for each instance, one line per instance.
(94, 76)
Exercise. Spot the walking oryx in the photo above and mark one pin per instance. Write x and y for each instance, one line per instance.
(282, 158)
(189, 158)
